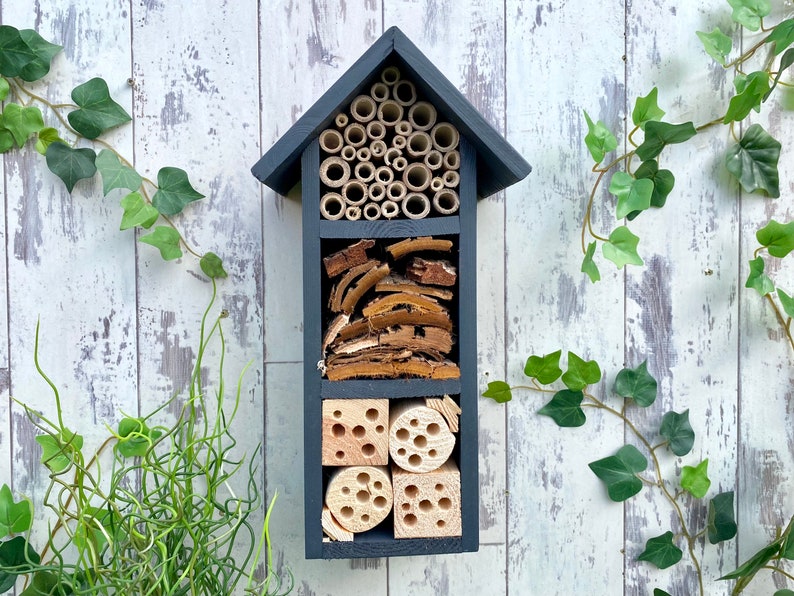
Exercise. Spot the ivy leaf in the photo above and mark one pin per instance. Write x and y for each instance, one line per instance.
(786, 61)
(58, 451)
(660, 134)
(782, 35)
(98, 112)
(588, 265)
(4, 88)
(546, 369)
(16, 558)
(787, 302)
(722, 522)
(115, 174)
(757, 279)
(70, 165)
(695, 480)
(22, 122)
(661, 551)
(212, 266)
(660, 592)
(599, 140)
(46, 137)
(749, 13)
(174, 191)
(46, 583)
(677, 430)
(750, 567)
(646, 109)
(621, 248)
(15, 54)
(137, 212)
(633, 195)
(663, 182)
(6, 138)
(43, 52)
(565, 409)
(499, 391)
(784, 592)
(580, 373)
(753, 161)
(787, 550)
(619, 472)
(717, 44)
(778, 238)
(15, 518)
(751, 91)
(135, 437)
(637, 384)
(167, 240)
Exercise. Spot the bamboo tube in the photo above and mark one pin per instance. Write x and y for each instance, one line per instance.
(399, 142)
(379, 91)
(417, 177)
(376, 130)
(419, 144)
(437, 183)
(451, 179)
(371, 211)
(416, 206)
(354, 192)
(363, 154)
(341, 120)
(446, 201)
(389, 209)
(360, 497)
(396, 191)
(434, 159)
(363, 108)
(377, 149)
(445, 137)
(452, 160)
(390, 112)
(400, 164)
(332, 206)
(390, 75)
(384, 175)
(403, 128)
(334, 172)
(419, 437)
(391, 154)
(331, 141)
(422, 115)
(353, 213)
(355, 135)
(377, 191)
(348, 153)
(364, 171)
(404, 92)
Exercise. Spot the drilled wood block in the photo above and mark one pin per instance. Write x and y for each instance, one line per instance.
(427, 505)
(359, 497)
(355, 432)
(419, 437)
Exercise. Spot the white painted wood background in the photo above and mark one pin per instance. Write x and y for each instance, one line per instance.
(216, 83)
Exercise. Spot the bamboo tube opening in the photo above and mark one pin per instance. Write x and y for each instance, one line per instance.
(364, 171)
(371, 211)
(376, 130)
(353, 213)
(331, 141)
(452, 160)
(400, 164)
(356, 134)
(363, 108)
(437, 183)
(332, 206)
(354, 192)
(446, 201)
(384, 175)
(341, 120)
(403, 128)
(422, 115)
(379, 91)
(417, 177)
(389, 209)
(419, 144)
(434, 159)
(377, 149)
(390, 75)
(363, 154)
(377, 191)
(416, 206)
(399, 142)
(390, 112)
(391, 154)
(404, 92)
(348, 153)
(445, 136)
(334, 172)
(451, 178)
(396, 191)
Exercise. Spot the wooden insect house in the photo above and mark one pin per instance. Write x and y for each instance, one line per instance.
(391, 161)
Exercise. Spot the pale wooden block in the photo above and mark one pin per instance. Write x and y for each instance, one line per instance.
(332, 529)
(448, 408)
(427, 505)
(354, 432)
(419, 437)
(359, 497)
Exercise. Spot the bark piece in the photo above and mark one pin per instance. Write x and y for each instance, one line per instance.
(431, 340)
(413, 367)
(353, 255)
(409, 245)
(355, 432)
(436, 273)
(448, 408)
(401, 299)
(332, 529)
(427, 505)
(338, 291)
(419, 437)
(399, 316)
(397, 283)
(334, 327)
(368, 280)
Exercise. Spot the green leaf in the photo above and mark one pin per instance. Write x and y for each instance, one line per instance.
(22, 122)
(750, 567)
(663, 182)
(46, 583)
(619, 472)
(751, 91)
(660, 134)
(753, 161)
(661, 551)
(621, 248)
(580, 373)
(786, 61)
(137, 212)
(633, 195)
(43, 51)
(46, 137)
(675, 428)
(212, 266)
(782, 35)
(15, 517)
(70, 165)
(546, 369)
(565, 409)
(588, 265)
(136, 437)
(787, 538)
(167, 240)
(695, 480)
(646, 109)
(757, 279)
(599, 140)
(778, 238)
(722, 522)
(660, 592)
(784, 592)
(174, 191)
(15, 54)
(499, 391)
(58, 451)
(6, 139)
(16, 558)
(115, 174)
(787, 302)
(637, 384)
(4, 88)
(98, 112)
(717, 44)
(749, 13)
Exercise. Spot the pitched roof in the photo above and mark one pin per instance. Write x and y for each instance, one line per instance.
(498, 164)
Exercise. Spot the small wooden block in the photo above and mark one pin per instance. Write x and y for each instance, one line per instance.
(448, 408)
(427, 505)
(355, 432)
(332, 528)
(419, 438)
(359, 497)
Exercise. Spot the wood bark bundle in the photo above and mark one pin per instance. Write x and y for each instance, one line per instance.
(389, 136)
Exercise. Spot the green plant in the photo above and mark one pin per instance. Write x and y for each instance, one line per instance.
(165, 519)
(72, 155)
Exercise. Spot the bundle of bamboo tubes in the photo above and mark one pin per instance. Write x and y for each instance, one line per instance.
(389, 157)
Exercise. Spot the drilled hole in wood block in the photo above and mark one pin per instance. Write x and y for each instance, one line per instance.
(428, 503)
(359, 497)
(350, 432)
(419, 437)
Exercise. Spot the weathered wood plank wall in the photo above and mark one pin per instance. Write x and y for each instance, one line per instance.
(215, 84)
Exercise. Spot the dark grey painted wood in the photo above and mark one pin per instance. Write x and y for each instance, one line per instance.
(391, 388)
(396, 228)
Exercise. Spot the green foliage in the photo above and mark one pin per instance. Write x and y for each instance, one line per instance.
(777, 238)
(660, 134)
(678, 432)
(695, 479)
(166, 240)
(749, 13)
(174, 191)
(21, 122)
(59, 450)
(135, 437)
(637, 384)
(599, 140)
(661, 551)
(15, 517)
(546, 369)
(757, 279)
(753, 161)
(580, 373)
(565, 408)
(782, 36)
(98, 112)
(115, 174)
(750, 92)
(621, 248)
(717, 44)
(588, 265)
(663, 182)
(137, 212)
(787, 302)
(633, 194)
(71, 165)
(619, 472)
(499, 391)
(17, 557)
(212, 266)
(721, 521)
(647, 109)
